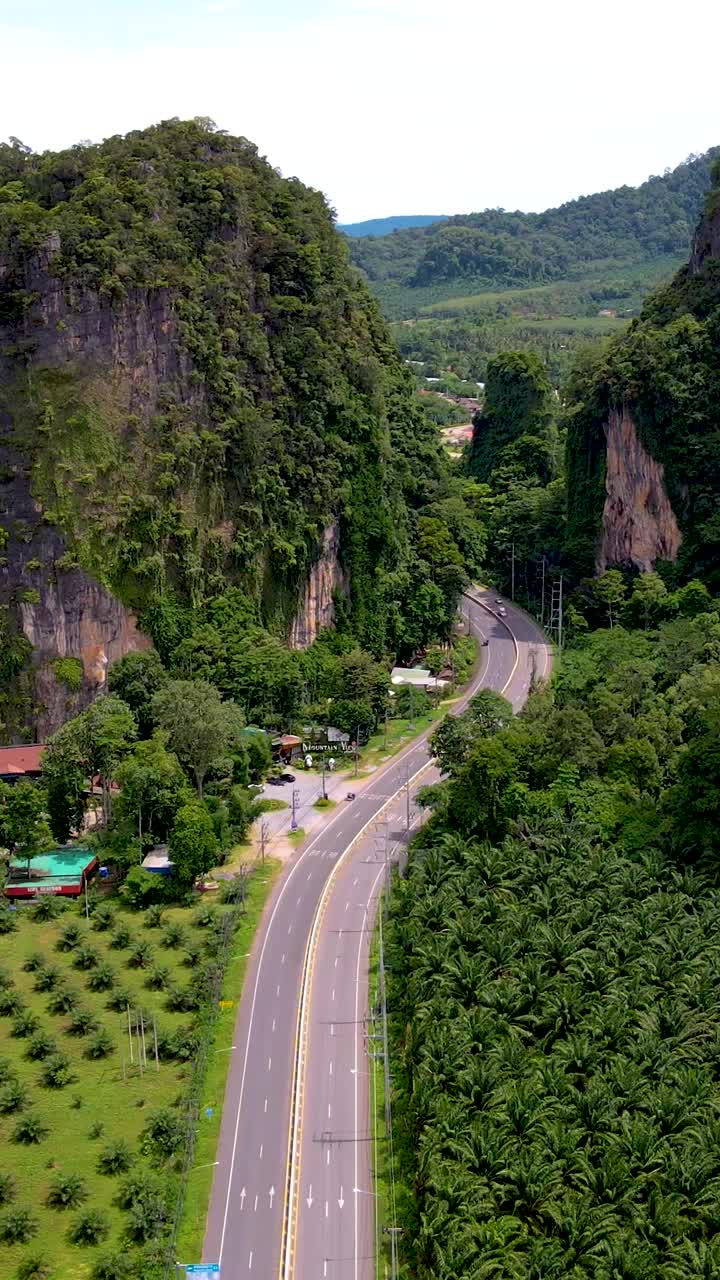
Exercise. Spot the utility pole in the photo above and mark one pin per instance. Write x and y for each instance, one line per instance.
(407, 795)
(542, 598)
(295, 800)
(386, 728)
(264, 832)
(324, 792)
(512, 571)
(357, 751)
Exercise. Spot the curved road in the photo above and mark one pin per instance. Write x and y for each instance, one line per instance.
(291, 1195)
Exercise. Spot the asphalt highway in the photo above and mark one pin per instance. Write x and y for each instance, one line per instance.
(292, 1194)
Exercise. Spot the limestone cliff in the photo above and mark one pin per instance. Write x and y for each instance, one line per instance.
(316, 605)
(197, 392)
(638, 522)
(643, 434)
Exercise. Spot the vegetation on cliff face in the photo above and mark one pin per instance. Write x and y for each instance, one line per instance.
(271, 404)
(665, 371)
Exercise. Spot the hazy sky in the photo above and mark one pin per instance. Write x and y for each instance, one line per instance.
(388, 106)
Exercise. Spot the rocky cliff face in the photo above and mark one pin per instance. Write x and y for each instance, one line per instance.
(643, 445)
(316, 607)
(638, 522)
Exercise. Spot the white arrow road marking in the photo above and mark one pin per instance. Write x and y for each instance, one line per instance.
(243, 1193)
(271, 1193)
(341, 1200)
(309, 1197)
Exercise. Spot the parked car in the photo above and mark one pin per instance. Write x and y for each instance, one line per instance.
(287, 777)
(277, 780)
(498, 600)
(503, 613)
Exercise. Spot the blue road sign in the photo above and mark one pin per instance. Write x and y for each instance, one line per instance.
(203, 1270)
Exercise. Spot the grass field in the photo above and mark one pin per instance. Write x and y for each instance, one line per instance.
(93, 1111)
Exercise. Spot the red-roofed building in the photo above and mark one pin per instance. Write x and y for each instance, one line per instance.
(20, 763)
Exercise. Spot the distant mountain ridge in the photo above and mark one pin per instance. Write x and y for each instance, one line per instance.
(386, 226)
(496, 249)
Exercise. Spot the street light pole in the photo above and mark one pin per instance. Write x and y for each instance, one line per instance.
(324, 766)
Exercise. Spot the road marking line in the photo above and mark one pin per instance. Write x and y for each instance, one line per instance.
(332, 1028)
(328, 1156)
(265, 1108)
(333, 994)
(289, 928)
(326, 1208)
(282, 958)
(256, 1202)
(329, 1109)
(277, 989)
(331, 1066)
(273, 1025)
(269, 1066)
(250, 1261)
(260, 1152)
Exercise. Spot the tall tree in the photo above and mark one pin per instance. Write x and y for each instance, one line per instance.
(200, 726)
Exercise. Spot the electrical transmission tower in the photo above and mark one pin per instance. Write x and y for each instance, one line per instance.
(556, 612)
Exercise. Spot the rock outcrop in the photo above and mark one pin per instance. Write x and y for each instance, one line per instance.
(316, 606)
(638, 523)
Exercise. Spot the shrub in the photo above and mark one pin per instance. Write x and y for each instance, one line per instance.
(25, 1024)
(63, 1000)
(163, 1134)
(103, 917)
(8, 921)
(40, 1046)
(116, 1157)
(192, 955)
(36, 960)
(7, 1188)
(46, 908)
(141, 955)
(7, 1071)
(119, 1000)
(180, 1045)
(12, 1098)
(114, 1266)
(17, 1226)
(85, 958)
(71, 937)
(82, 1022)
(154, 916)
(121, 938)
(57, 1072)
(10, 1002)
(101, 1045)
(34, 1267)
(102, 978)
(158, 978)
(90, 1228)
(141, 1195)
(67, 1191)
(30, 1129)
(174, 936)
(47, 978)
(205, 917)
(96, 1130)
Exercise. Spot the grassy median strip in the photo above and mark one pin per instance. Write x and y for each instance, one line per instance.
(192, 1228)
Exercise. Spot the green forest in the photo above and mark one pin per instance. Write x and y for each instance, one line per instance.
(552, 946)
(466, 288)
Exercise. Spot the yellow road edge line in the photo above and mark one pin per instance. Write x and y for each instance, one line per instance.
(292, 1185)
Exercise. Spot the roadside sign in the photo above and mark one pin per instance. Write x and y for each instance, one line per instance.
(226, 1004)
(203, 1270)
